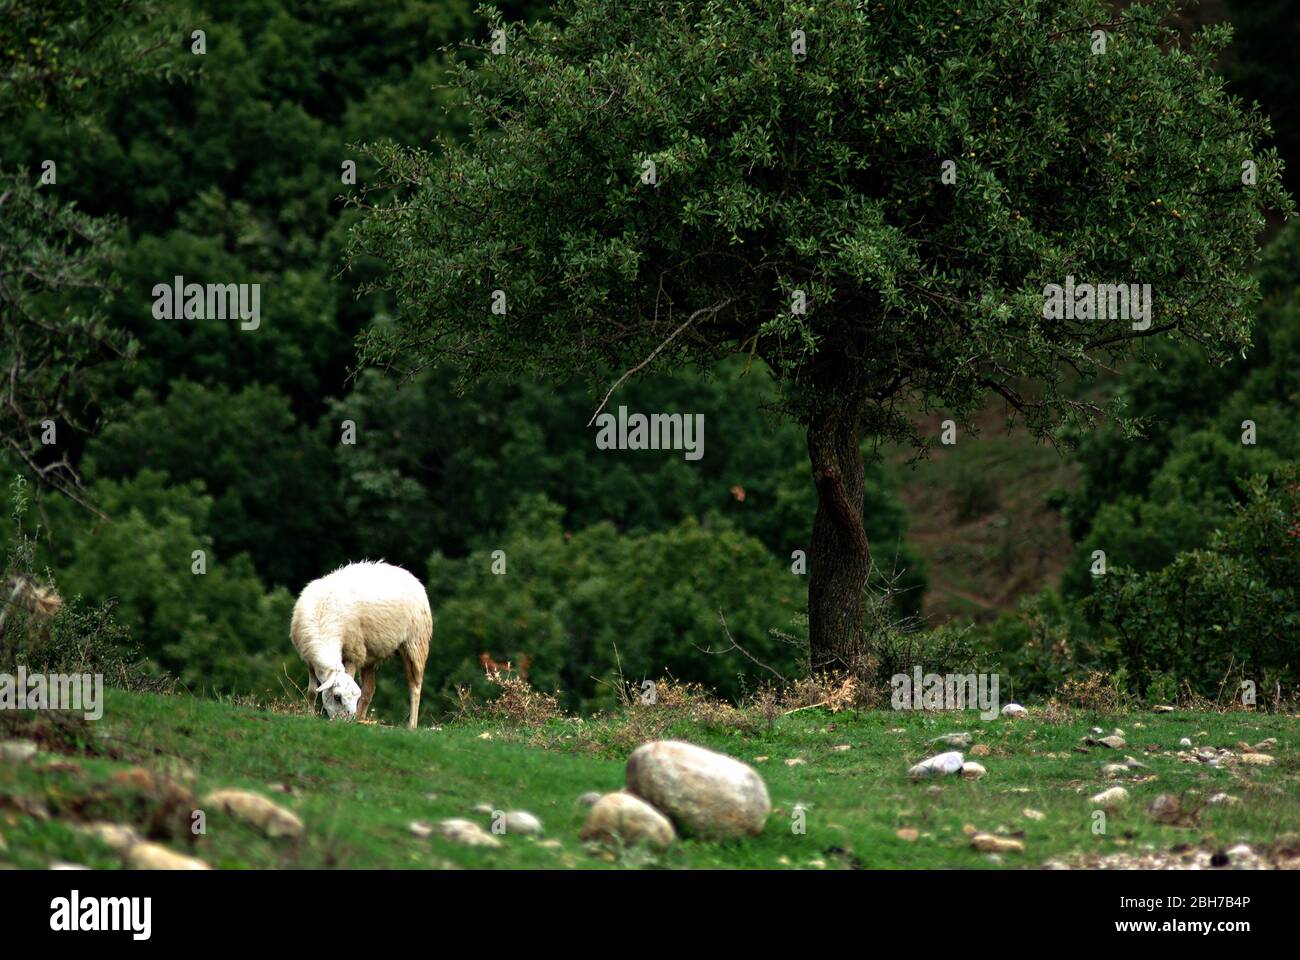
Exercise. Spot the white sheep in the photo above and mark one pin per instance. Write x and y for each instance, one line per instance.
(356, 617)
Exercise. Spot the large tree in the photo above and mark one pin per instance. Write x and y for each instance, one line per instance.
(871, 198)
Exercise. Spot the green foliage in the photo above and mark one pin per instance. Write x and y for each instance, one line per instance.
(215, 631)
(432, 469)
(590, 606)
(775, 174)
(1233, 608)
(1040, 646)
(1143, 499)
(60, 635)
(252, 457)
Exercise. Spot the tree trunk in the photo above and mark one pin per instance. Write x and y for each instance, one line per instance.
(841, 558)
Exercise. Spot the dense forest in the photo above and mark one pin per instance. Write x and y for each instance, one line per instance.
(193, 476)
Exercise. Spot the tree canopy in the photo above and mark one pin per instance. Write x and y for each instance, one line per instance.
(674, 181)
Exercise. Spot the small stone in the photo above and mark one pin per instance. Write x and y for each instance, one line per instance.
(1256, 759)
(1114, 741)
(841, 747)
(1165, 808)
(271, 818)
(17, 751)
(795, 761)
(1222, 800)
(1264, 746)
(465, 832)
(989, 843)
(907, 833)
(1162, 708)
(1111, 799)
(1014, 710)
(958, 740)
(420, 829)
(1185, 742)
(972, 771)
(980, 750)
(1114, 770)
(115, 835)
(483, 808)
(1032, 814)
(154, 856)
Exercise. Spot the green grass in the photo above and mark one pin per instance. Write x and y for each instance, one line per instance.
(357, 786)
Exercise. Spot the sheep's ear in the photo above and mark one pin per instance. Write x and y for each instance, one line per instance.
(331, 682)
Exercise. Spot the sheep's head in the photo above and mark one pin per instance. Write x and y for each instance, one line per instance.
(339, 695)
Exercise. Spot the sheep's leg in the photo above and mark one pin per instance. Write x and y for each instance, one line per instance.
(413, 661)
(367, 691)
(311, 690)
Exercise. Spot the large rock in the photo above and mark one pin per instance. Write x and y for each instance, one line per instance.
(705, 793)
(625, 818)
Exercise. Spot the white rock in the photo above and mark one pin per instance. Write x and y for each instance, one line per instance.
(118, 836)
(958, 740)
(990, 843)
(1257, 759)
(271, 818)
(624, 818)
(1112, 798)
(420, 829)
(523, 823)
(704, 793)
(16, 751)
(1014, 710)
(465, 832)
(970, 770)
(154, 856)
(1185, 742)
(937, 766)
